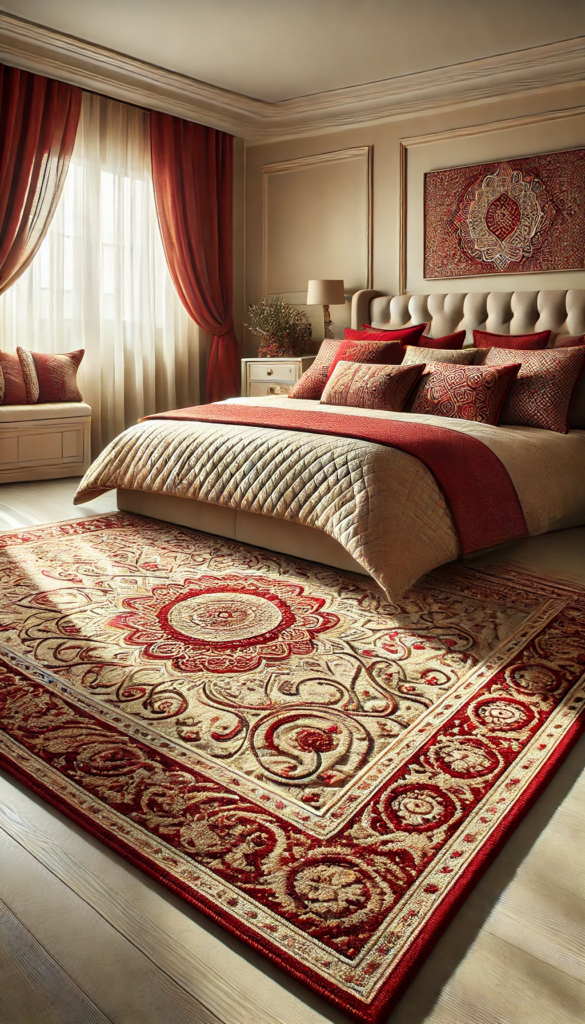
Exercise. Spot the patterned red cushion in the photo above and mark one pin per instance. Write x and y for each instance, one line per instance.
(418, 354)
(483, 339)
(464, 392)
(56, 375)
(568, 340)
(541, 394)
(577, 407)
(407, 335)
(450, 341)
(310, 385)
(370, 386)
(387, 353)
(14, 387)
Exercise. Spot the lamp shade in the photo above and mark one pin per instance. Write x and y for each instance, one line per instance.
(325, 293)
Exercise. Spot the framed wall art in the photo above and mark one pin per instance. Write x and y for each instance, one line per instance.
(494, 201)
(523, 215)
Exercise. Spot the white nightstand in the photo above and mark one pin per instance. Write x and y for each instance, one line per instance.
(272, 376)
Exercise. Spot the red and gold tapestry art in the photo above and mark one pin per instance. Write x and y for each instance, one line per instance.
(512, 217)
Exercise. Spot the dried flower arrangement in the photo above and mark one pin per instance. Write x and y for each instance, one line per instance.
(283, 329)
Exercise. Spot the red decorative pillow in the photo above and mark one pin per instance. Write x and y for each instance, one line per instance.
(568, 340)
(449, 341)
(310, 385)
(407, 335)
(387, 353)
(542, 392)
(14, 386)
(418, 354)
(483, 339)
(51, 377)
(370, 385)
(465, 392)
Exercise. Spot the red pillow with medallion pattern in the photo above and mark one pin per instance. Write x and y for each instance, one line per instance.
(371, 385)
(14, 386)
(407, 335)
(465, 392)
(544, 391)
(484, 339)
(51, 377)
(387, 353)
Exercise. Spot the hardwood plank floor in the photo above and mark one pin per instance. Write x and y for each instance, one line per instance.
(84, 936)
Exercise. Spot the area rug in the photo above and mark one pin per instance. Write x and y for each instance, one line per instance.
(321, 772)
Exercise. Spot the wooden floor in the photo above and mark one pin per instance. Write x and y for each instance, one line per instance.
(85, 937)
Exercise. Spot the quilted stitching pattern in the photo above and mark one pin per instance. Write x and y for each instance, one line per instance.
(349, 489)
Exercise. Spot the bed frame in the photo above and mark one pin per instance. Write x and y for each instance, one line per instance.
(562, 312)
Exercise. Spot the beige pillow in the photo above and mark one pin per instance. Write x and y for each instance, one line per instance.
(463, 356)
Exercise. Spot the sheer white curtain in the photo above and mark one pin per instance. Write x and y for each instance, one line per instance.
(100, 280)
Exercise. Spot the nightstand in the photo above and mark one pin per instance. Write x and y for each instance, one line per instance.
(272, 376)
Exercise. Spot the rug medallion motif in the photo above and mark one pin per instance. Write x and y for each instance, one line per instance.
(319, 770)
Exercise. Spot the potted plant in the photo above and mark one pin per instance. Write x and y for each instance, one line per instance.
(284, 330)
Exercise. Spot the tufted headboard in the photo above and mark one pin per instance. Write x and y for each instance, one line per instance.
(562, 312)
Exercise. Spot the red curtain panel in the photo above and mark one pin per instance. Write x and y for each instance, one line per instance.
(38, 124)
(192, 172)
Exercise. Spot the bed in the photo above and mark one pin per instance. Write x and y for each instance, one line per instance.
(340, 495)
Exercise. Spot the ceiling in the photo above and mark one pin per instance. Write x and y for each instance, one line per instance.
(281, 49)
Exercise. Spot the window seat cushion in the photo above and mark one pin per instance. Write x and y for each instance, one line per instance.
(46, 411)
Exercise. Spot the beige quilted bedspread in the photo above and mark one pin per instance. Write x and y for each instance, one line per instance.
(381, 504)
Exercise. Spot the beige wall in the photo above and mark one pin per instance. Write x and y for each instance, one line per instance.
(299, 244)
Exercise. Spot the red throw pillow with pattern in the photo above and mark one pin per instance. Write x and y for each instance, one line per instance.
(407, 335)
(542, 392)
(448, 341)
(310, 385)
(14, 386)
(464, 392)
(387, 353)
(568, 340)
(484, 339)
(371, 386)
(51, 377)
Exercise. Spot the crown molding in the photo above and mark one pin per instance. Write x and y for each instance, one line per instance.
(98, 69)
(33, 47)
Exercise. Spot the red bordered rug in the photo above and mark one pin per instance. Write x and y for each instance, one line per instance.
(322, 772)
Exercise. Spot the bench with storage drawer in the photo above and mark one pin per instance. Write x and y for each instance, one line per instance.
(42, 442)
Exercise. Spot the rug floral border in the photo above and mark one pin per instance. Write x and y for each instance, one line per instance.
(548, 672)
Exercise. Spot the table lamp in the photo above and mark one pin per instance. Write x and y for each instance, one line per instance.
(326, 293)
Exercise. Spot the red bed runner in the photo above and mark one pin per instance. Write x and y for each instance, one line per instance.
(481, 496)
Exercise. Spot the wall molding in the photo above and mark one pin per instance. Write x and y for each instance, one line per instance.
(303, 163)
(95, 68)
(452, 134)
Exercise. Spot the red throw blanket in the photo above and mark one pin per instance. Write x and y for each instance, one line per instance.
(480, 494)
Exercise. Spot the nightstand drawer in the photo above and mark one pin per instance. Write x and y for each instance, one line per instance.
(257, 388)
(273, 371)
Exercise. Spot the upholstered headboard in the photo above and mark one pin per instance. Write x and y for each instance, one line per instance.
(562, 312)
